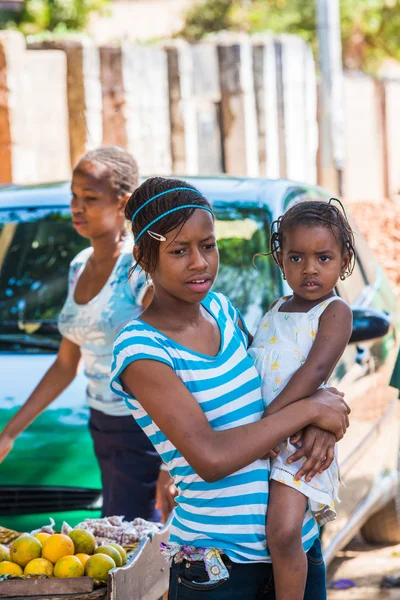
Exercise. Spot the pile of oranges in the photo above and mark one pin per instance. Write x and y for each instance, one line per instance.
(59, 555)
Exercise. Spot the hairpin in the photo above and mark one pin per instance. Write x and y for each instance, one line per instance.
(156, 236)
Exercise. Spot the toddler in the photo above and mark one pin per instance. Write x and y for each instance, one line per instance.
(296, 347)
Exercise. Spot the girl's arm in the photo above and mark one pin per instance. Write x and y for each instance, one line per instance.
(334, 331)
(58, 377)
(216, 454)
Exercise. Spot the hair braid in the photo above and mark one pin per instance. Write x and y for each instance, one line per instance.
(123, 167)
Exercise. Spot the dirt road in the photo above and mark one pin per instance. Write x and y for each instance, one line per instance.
(365, 565)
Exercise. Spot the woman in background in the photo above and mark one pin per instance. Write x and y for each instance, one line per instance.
(101, 300)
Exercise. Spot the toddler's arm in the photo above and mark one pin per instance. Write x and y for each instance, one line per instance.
(334, 331)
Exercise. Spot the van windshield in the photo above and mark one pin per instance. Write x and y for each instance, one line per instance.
(37, 245)
(250, 282)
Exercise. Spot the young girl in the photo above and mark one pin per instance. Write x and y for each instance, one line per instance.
(296, 347)
(184, 371)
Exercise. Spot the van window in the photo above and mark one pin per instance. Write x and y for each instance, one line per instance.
(242, 233)
(36, 247)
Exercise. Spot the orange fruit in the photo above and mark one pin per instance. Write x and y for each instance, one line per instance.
(98, 566)
(24, 549)
(82, 557)
(111, 551)
(84, 541)
(4, 553)
(120, 550)
(39, 566)
(57, 546)
(68, 566)
(42, 536)
(9, 568)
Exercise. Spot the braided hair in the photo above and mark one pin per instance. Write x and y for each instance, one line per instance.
(315, 213)
(148, 247)
(122, 166)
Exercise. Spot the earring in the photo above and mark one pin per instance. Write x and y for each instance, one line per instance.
(342, 277)
(284, 276)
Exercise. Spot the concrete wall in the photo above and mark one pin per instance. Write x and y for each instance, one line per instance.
(145, 80)
(182, 108)
(364, 165)
(194, 99)
(114, 120)
(239, 105)
(392, 124)
(286, 101)
(34, 144)
(84, 95)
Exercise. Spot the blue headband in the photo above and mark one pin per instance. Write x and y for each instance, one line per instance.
(168, 212)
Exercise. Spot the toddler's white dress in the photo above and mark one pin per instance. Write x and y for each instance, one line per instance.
(280, 346)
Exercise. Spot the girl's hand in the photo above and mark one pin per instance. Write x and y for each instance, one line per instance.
(334, 391)
(272, 453)
(297, 438)
(332, 412)
(6, 445)
(166, 493)
(319, 448)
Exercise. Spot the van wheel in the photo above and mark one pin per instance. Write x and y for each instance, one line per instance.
(384, 526)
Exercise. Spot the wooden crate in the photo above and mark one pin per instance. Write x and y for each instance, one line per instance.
(146, 574)
(54, 588)
(144, 577)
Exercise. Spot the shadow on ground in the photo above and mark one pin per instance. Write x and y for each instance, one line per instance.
(365, 565)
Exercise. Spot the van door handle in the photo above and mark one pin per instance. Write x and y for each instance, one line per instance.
(363, 356)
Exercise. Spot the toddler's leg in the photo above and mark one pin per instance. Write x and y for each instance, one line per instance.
(286, 509)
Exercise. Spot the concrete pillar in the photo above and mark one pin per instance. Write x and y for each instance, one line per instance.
(10, 46)
(300, 109)
(266, 94)
(238, 110)
(286, 101)
(113, 94)
(364, 163)
(176, 117)
(33, 113)
(392, 117)
(84, 93)
(145, 81)
(194, 108)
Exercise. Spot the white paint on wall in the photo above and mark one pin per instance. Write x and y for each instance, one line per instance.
(93, 94)
(145, 79)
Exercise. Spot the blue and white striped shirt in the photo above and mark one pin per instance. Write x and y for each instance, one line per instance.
(228, 514)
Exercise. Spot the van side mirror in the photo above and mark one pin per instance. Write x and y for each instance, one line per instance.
(369, 324)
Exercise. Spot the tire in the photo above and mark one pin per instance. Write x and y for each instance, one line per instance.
(384, 526)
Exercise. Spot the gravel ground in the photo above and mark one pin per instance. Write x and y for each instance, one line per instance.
(365, 565)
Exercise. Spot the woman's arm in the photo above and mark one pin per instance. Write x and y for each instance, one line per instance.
(216, 454)
(57, 378)
(334, 331)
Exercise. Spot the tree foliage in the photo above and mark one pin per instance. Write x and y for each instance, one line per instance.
(370, 28)
(57, 16)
